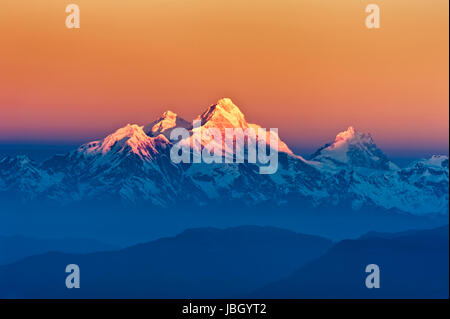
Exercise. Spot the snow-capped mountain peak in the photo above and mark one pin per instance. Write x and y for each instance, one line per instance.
(226, 115)
(165, 124)
(437, 161)
(354, 148)
(22, 174)
(223, 114)
(128, 139)
(134, 165)
(18, 162)
(434, 162)
(130, 134)
(350, 136)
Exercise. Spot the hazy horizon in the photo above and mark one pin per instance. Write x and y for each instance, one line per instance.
(282, 66)
(40, 151)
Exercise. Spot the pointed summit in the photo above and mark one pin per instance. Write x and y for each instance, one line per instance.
(351, 135)
(226, 115)
(227, 105)
(131, 133)
(354, 148)
(223, 114)
(348, 134)
(165, 124)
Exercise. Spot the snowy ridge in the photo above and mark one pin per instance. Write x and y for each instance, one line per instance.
(223, 114)
(226, 115)
(128, 139)
(23, 176)
(133, 165)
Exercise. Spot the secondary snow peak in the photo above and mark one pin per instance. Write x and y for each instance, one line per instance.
(130, 139)
(134, 165)
(354, 148)
(165, 124)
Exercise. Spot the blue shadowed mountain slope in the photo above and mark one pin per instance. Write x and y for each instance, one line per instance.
(198, 263)
(412, 265)
(14, 248)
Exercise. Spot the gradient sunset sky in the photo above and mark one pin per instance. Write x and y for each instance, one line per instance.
(308, 67)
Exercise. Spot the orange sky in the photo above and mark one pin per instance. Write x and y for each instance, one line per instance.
(309, 67)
